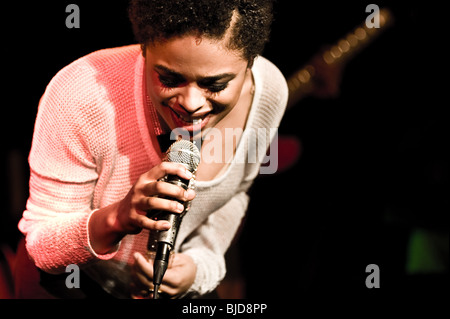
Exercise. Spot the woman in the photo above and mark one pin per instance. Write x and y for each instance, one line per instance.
(95, 160)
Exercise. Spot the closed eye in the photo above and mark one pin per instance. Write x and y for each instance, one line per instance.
(214, 84)
(170, 82)
(215, 88)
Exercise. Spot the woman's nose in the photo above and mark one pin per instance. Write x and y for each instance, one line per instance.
(192, 98)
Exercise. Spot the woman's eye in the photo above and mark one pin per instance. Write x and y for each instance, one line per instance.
(217, 87)
(168, 82)
(171, 82)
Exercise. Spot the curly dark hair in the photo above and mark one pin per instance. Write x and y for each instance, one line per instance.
(157, 20)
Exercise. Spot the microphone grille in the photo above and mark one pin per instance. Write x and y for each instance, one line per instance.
(184, 152)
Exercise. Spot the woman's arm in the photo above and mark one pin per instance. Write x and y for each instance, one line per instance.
(60, 232)
(74, 137)
(209, 242)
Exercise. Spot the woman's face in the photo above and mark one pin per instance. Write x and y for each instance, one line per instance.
(194, 82)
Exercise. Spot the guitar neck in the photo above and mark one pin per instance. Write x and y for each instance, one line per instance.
(302, 82)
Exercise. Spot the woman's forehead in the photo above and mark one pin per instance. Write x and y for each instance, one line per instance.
(189, 55)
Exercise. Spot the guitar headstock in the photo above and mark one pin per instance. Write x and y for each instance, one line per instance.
(325, 67)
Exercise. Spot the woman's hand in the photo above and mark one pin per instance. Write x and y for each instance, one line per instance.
(109, 225)
(147, 194)
(179, 277)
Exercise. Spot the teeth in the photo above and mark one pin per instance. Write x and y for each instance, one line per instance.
(194, 122)
(181, 117)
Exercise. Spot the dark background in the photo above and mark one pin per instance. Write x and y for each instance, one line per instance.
(374, 160)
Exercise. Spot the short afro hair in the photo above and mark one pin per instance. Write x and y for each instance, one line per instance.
(159, 20)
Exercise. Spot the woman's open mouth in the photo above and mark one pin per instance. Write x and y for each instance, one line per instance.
(189, 124)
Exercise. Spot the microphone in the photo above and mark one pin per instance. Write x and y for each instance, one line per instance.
(162, 242)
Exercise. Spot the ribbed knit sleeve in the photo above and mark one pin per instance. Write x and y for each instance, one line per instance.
(210, 241)
(68, 142)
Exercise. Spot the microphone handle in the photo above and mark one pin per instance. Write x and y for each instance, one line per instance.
(164, 247)
(163, 241)
(169, 236)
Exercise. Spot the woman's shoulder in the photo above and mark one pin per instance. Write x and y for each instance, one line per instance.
(89, 78)
(271, 91)
(116, 57)
(100, 63)
(87, 92)
(269, 73)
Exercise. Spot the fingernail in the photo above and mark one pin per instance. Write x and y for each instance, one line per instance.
(188, 174)
(166, 224)
(180, 207)
(188, 193)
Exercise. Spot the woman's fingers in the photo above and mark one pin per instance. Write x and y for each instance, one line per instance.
(147, 223)
(160, 195)
(150, 194)
(165, 189)
(168, 168)
(178, 278)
